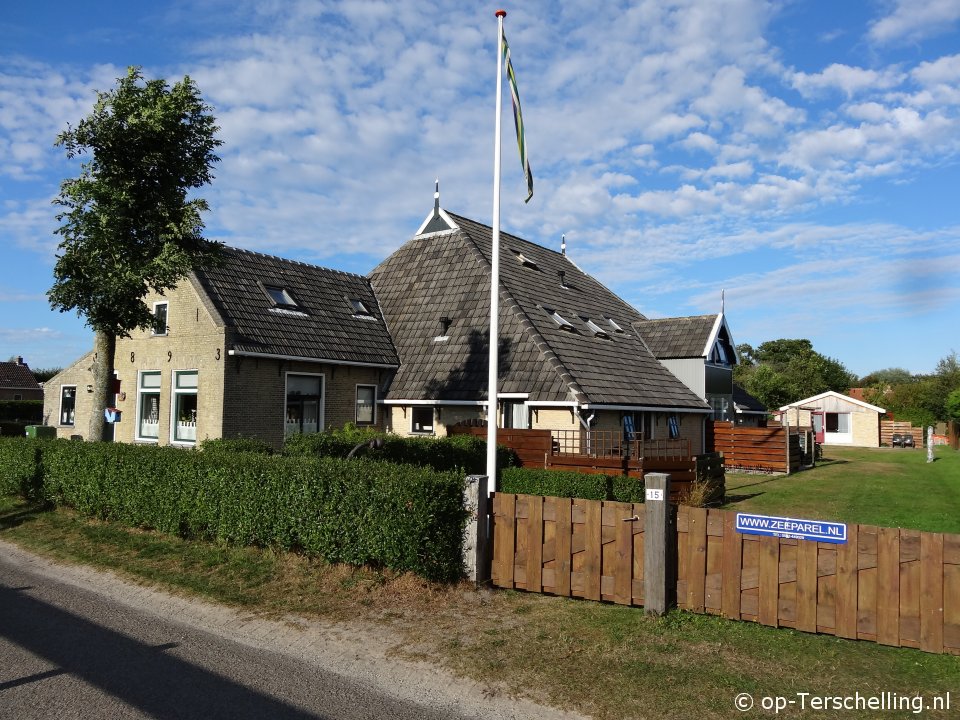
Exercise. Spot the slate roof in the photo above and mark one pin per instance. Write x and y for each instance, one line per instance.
(679, 337)
(14, 376)
(321, 326)
(745, 402)
(447, 274)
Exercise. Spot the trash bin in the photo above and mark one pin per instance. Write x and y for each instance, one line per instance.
(41, 431)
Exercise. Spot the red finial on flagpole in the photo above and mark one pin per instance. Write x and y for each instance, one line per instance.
(501, 13)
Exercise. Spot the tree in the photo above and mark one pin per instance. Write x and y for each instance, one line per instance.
(128, 226)
(952, 406)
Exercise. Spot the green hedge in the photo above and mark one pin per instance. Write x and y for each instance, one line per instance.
(465, 453)
(529, 481)
(360, 511)
(20, 472)
(29, 412)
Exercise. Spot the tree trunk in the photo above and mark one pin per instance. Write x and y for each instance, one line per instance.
(104, 348)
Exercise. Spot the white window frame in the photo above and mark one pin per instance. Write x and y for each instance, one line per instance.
(321, 406)
(166, 321)
(356, 413)
(60, 409)
(140, 393)
(175, 393)
(433, 420)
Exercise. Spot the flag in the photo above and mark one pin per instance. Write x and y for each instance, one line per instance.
(518, 119)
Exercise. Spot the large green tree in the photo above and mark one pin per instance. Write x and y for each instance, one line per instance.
(129, 224)
(782, 371)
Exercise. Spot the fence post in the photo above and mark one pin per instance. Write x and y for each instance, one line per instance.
(930, 443)
(657, 542)
(476, 540)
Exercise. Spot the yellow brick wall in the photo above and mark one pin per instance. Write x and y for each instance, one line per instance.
(79, 375)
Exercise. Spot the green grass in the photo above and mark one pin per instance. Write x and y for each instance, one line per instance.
(889, 487)
(607, 661)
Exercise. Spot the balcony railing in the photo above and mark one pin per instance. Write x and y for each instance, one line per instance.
(611, 443)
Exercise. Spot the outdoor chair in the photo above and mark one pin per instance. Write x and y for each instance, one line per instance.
(908, 441)
(897, 440)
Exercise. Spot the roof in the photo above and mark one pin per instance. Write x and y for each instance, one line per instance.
(17, 376)
(319, 323)
(744, 402)
(446, 273)
(686, 337)
(836, 396)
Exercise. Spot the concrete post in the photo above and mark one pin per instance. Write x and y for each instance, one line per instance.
(657, 542)
(476, 541)
(930, 443)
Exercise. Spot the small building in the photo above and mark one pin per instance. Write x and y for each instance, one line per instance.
(836, 419)
(17, 382)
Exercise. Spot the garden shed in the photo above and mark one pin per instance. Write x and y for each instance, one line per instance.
(836, 419)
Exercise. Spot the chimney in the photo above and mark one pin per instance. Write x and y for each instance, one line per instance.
(20, 360)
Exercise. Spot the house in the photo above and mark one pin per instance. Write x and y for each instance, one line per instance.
(700, 351)
(17, 382)
(257, 346)
(570, 357)
(748, 411)
(836, 419)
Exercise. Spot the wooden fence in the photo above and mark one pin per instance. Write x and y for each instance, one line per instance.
(768, 449)
(892, 586)
(890, 427)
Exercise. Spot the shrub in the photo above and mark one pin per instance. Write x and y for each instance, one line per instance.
(237, 445)
(20, 467)
(30, 412)
(529, 481)
(359, 511)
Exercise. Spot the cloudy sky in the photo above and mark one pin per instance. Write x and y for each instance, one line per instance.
(802, 156)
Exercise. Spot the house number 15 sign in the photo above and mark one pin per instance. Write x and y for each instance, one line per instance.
(654, 494)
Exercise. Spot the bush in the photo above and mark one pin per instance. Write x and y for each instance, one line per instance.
(30, 412)
(13, 429)
(236, 445)
(359, 511)
(20, 472)
(529, 481)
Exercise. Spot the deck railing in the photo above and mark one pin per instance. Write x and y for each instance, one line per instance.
(611, 443)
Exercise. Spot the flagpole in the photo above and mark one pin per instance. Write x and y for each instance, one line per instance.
(494, 343)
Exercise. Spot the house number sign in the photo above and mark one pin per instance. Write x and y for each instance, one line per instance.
(654, 494)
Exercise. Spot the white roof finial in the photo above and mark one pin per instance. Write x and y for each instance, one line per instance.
(563, 244)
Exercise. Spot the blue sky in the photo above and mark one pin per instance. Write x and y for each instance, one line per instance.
(803, 157)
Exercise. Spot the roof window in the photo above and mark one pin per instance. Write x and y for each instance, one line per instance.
(561, 322)
(524, 260)
(359, 308)
(594, 328)
(613, 325)
(280, 296)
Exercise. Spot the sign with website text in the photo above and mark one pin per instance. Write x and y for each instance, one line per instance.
(795, 528)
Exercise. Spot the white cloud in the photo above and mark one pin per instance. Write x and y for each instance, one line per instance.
(849, 80)
(912, 21)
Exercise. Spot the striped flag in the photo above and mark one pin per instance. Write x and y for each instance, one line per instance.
(518, 119)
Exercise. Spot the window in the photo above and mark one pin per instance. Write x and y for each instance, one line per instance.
(561, 322)
(160, 318)
(366, 404)
(359, 308)
(184, 406)
(838, 422)
(422, 420)
(280, 296)
(516, 416)
(304, 409)
(613, 325)
(148, 406)
(524, 260)
(594, 328)
(68, 404)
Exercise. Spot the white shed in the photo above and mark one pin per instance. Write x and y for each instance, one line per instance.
(837, 419)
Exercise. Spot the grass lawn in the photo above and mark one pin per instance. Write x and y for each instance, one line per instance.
(889, 487)
(607, 661)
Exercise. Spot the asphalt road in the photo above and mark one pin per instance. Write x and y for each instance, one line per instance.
(81, 644)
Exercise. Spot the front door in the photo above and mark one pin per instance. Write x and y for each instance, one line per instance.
(817, 421)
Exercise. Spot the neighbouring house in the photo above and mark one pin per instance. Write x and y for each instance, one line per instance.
(749, 411)
(17, 382)
(570, 357)
(836, 419)
(700, 351)
(258, 346)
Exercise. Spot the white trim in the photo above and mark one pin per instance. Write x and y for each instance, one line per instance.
(512, 396)
(553, 403)
(174, 394)
(356, 404)
(644, 408)
(150, 391)
(446, 218)
(470, 403)
(321, 407)
(833, 394)
(60, 422)
(721, 321)
(297, 358)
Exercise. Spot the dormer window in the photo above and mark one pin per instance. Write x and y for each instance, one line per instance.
(594, 328)
(561, 322)
(613, 325)
(280, 296)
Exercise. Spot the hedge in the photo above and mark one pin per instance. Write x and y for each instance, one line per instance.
(553, 483)
(29, 412)
(20, 472)
(360, 511)
(465, 453)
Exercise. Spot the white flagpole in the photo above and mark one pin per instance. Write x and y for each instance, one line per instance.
(494, 343)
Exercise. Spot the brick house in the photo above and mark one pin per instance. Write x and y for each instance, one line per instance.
(17, 382)
(257, 347)
(570, 356)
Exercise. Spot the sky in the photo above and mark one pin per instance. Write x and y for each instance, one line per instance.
(797, 161)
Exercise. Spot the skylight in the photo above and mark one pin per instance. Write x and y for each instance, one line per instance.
(358, 307)
(594, 328)
(280, 296)
(613, 325)
(526, 261)
(561, 322)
